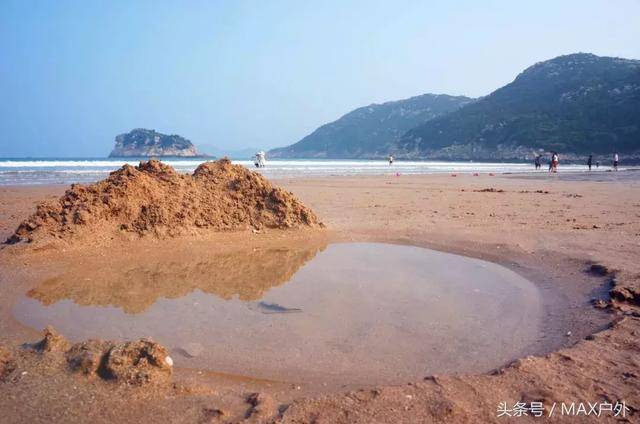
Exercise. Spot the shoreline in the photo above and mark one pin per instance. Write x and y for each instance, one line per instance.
(632, 173)
(67, 172)
(571, 226)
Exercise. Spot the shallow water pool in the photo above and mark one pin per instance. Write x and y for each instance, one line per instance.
(360, 313)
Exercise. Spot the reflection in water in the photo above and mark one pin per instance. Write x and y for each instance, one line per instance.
(359, 313)
(246, 275)
(273, 308)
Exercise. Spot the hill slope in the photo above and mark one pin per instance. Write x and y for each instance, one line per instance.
(371, 131)
(576, 104)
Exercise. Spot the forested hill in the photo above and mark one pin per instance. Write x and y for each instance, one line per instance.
(576, 104)
(371, 131)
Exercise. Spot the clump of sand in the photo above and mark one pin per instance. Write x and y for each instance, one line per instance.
(137, 363)
(153, 199)
(7, 364)
(52, 341)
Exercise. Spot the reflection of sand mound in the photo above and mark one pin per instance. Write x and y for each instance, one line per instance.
(153, 198)
(245, 274)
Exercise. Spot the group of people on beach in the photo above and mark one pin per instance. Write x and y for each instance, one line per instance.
(553, 162)
(555, 159)
(615, 162)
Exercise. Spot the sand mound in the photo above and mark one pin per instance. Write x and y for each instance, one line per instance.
(137, 363)
(152, 198)
(88, 356)
(51, 342)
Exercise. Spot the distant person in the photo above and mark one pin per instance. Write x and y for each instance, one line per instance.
(590, 161)
(260, 160)
(597, 164)
(536, 162)
(554, 162)
(615, 161)
(390, 159)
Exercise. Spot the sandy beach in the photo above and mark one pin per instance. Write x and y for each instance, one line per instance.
(577, 238)
(319, 212)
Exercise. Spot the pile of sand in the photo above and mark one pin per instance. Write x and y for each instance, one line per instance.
(136, 362)
(153, 198)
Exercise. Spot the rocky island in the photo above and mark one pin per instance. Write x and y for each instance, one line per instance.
(141, 142)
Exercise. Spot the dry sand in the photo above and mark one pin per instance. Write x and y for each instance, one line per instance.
(155, 200)
(550, 229)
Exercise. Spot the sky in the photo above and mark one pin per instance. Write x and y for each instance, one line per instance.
(237, 74)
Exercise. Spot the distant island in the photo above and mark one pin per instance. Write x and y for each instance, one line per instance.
(576, 105)
(141, 142)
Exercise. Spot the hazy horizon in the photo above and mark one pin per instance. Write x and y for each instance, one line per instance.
(248, 74)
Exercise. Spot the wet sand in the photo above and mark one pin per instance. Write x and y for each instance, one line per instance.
(548, 230)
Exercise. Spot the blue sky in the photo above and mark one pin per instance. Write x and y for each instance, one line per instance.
(74, 74)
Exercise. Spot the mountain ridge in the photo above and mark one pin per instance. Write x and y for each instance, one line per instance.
(575, 104)
(370, 131)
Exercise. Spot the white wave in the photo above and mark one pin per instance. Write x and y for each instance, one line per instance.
(84, 163)
(65, 171)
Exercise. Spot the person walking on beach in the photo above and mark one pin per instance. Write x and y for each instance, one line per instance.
(615, 161)
(390, 159)
(260, 159)
(590, 161)
(553, 163)
(536, 162)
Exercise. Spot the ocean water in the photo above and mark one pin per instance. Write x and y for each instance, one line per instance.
(83, 170)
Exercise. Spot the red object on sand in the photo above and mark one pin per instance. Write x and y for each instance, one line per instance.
(397, 174)
(475, 174)
(454, 175)
(491, 174)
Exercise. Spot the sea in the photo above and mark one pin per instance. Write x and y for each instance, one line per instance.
(46, 171)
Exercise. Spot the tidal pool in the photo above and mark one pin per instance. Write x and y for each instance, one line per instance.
(346, 313)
